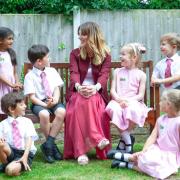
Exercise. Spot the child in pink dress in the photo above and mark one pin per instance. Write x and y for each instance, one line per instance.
(8, 76)
(127, 109)
(160, 156)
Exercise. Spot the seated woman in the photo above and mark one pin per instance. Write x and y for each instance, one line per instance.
(86, 124)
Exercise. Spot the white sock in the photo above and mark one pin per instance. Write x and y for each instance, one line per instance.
(127, 139)
(118, 156)
(122, 164)
(121, 144)
(129, 165)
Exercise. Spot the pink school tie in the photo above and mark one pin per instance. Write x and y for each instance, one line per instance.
(168, 71)
(17, 139)
(46, 85)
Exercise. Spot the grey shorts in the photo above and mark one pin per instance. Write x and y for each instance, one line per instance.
(37, 108)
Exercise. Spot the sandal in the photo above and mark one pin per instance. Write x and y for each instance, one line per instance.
(103, 143)
(83, 159)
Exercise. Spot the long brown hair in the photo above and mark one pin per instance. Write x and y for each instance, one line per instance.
(96, 42)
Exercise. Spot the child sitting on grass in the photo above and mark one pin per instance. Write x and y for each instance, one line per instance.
(17, 136)
(160, 156)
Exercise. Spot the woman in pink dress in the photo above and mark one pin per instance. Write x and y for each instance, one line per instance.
(127, 109)
(8, 76)
(160, 156)
(86, 124)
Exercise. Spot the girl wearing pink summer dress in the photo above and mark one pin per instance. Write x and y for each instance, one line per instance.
(8, 76)
(160, 156)
(127, 109)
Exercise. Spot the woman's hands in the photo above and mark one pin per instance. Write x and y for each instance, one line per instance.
(87, 90)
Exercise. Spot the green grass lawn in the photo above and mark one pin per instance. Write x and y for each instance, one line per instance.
(70, 170)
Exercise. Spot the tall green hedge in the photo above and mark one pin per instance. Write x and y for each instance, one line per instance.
(66, 6)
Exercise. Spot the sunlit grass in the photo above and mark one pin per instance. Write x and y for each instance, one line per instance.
(70, 170)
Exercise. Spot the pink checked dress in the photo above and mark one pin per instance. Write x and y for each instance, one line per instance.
(163, 157)
(127, 86)
(6, 69)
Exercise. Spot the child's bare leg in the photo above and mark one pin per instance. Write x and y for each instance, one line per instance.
(131, 126)
(45, 124)
(57, 122)
(136, 168)
(13, 169)
(5, 151)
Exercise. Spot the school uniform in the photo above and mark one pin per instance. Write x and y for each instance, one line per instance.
(7, 70)
(33, 85)
(26, 129)
(127, 86)
(160, 67)
(163, 157)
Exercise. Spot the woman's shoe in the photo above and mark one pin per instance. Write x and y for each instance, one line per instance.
(83, 160)
(103, 143)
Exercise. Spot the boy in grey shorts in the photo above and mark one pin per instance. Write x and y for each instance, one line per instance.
(41, 85)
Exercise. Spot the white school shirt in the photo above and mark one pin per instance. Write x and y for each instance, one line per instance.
(33, 82)
(26, 128)
(160, 67)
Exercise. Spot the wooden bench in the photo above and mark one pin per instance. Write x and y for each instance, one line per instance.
(151, 95)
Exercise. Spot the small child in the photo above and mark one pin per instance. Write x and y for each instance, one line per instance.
(160, 156)
(167, 70)
(17, 136)
(42, 84)
(8, 77)
(126, 109)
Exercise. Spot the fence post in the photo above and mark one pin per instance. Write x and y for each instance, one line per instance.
(76, 23)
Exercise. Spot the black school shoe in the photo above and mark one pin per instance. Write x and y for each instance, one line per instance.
(56, 153)
(47, 153)
(124, 150)
(116, 163)
(111, 153)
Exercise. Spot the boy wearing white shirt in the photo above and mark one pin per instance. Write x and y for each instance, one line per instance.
(170, 44)
(16, 142)
(41, 85)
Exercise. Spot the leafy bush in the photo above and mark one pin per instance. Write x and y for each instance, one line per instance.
(66, 6)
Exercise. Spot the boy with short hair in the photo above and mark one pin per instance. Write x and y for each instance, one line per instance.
(41, 85)
(166, 72)
(17, 136)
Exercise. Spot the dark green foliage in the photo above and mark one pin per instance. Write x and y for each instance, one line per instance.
(66, 7)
